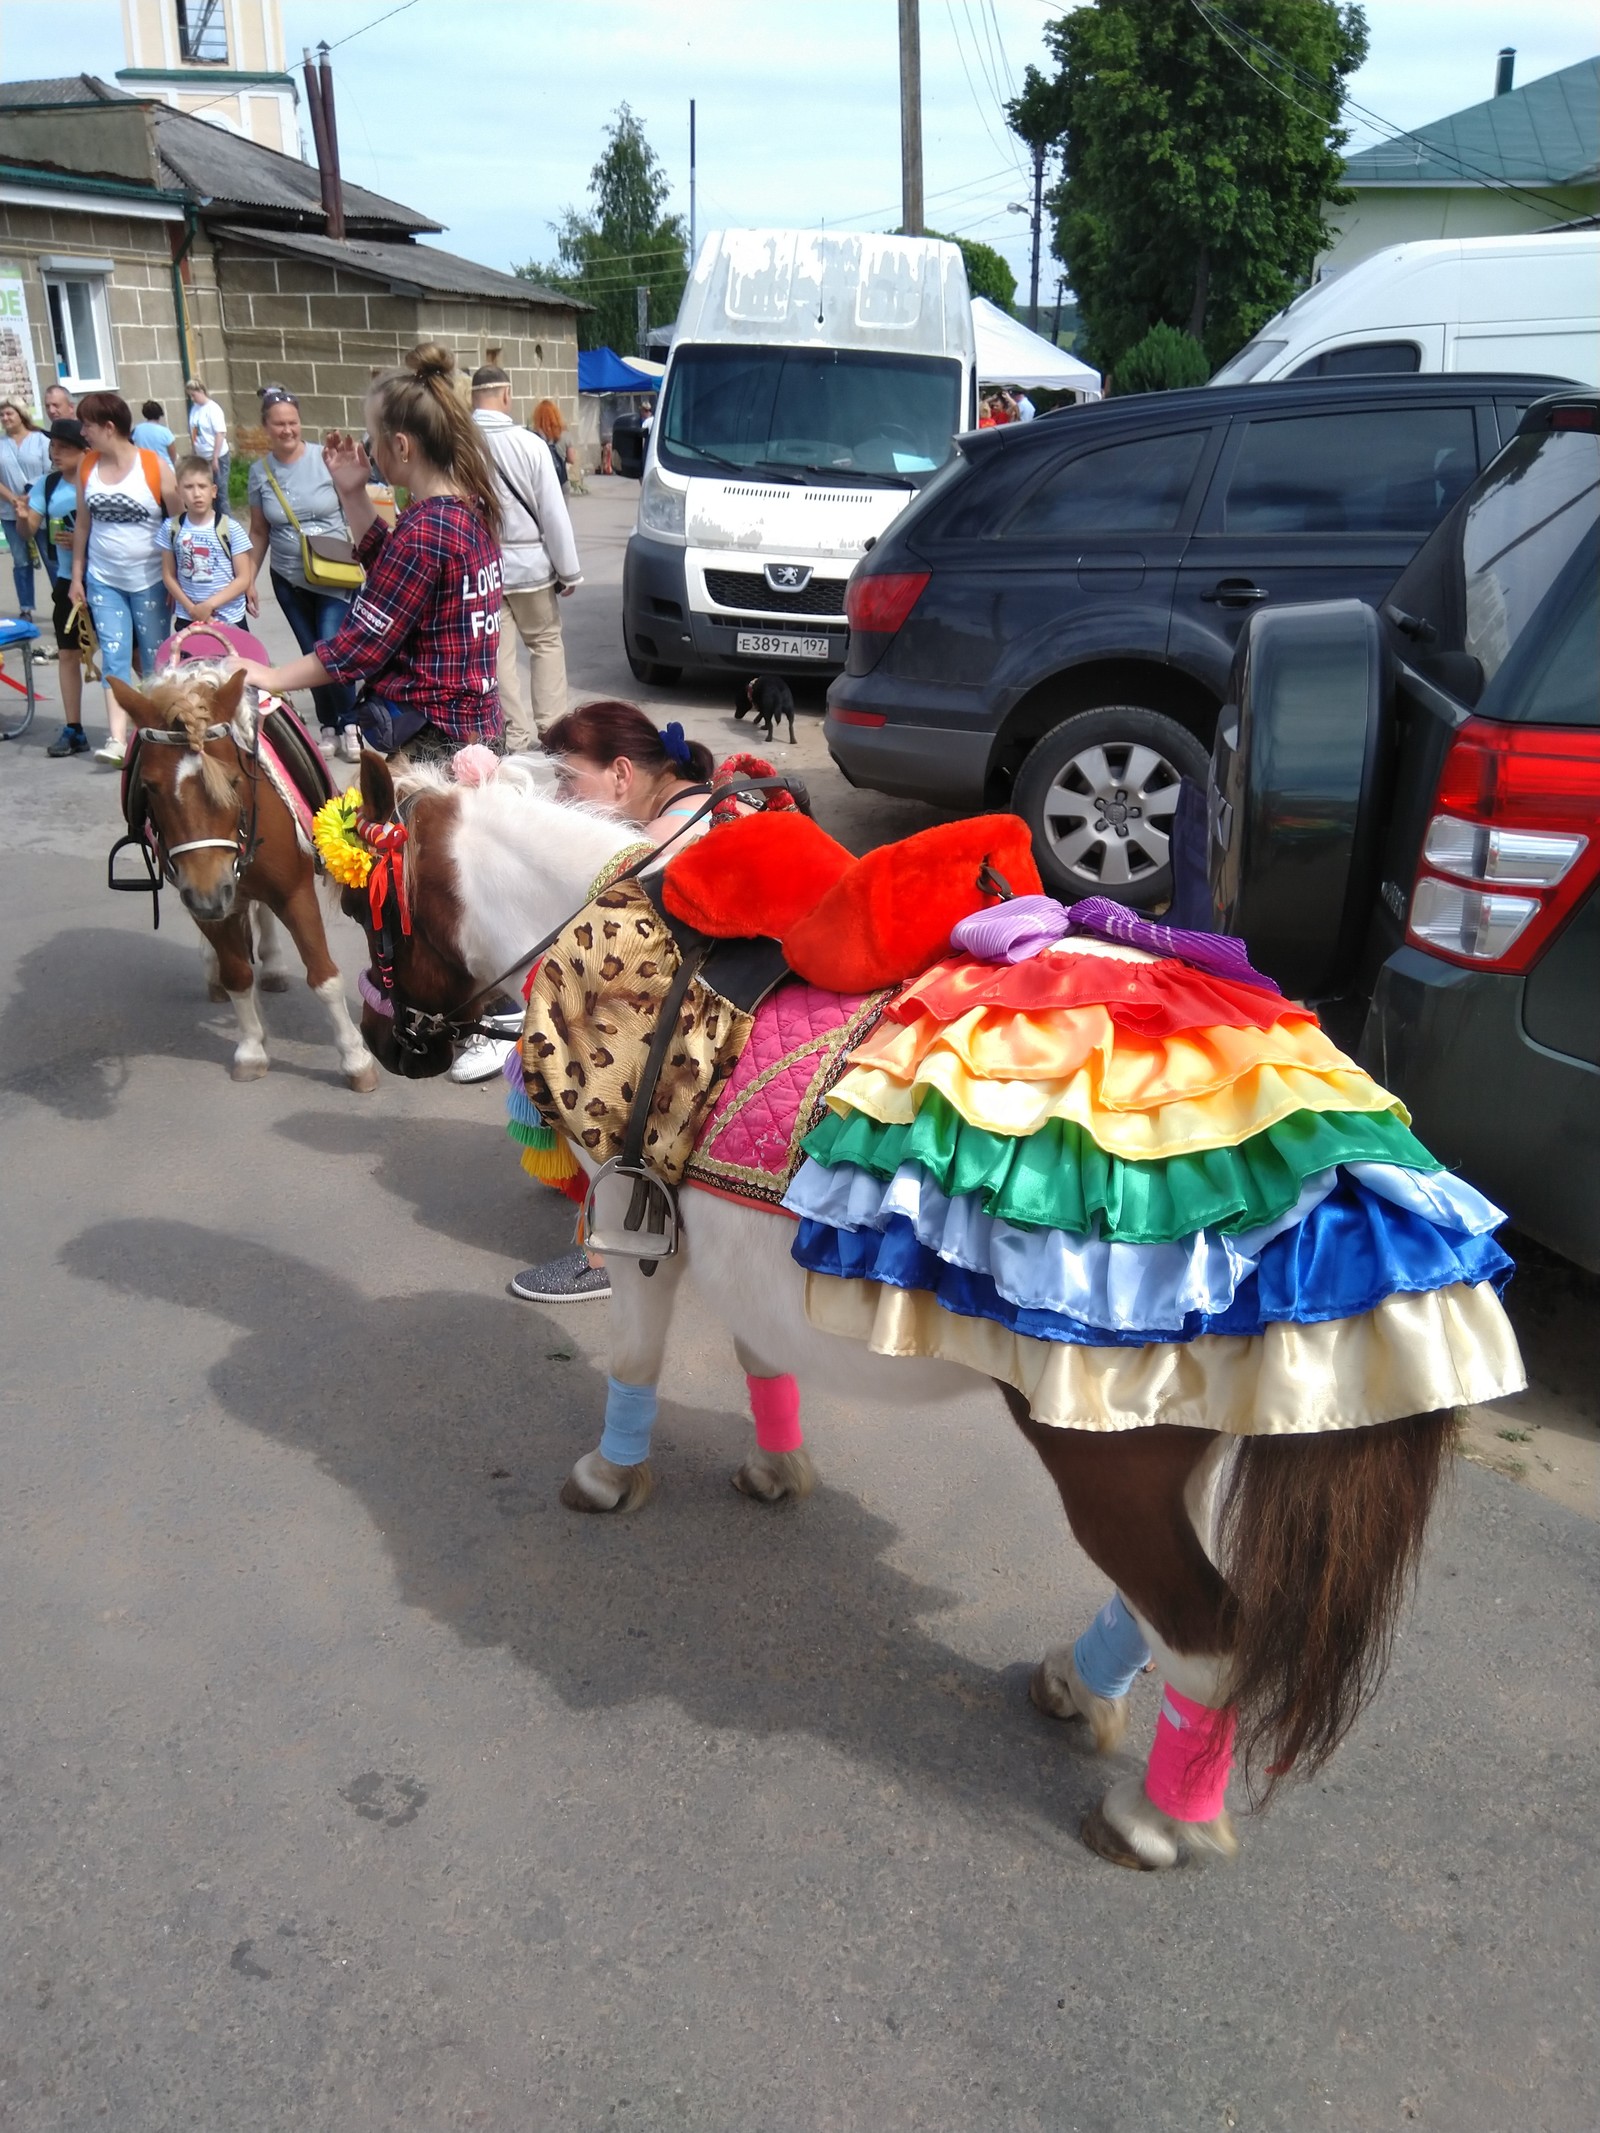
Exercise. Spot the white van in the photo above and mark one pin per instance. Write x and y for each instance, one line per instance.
(1528, 304)
(815, 383)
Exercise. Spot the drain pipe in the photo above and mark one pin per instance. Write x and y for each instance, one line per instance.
(191, 230)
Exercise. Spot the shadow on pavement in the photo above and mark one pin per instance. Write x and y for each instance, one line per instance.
(460, 1176)
(93, 998)
(454, 1422)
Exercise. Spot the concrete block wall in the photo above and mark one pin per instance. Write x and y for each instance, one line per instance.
(139, 302)
(536, 343)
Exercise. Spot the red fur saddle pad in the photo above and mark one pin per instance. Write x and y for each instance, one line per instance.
(749, 1147)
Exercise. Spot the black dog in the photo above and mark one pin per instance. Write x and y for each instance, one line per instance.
(769, 698)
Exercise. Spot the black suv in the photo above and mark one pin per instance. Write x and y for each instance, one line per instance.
(1050, 624)
(1405, 818)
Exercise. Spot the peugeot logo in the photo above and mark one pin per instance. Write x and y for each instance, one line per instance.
(788, 577)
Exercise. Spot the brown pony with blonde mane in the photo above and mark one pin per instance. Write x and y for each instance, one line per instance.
(230, 846)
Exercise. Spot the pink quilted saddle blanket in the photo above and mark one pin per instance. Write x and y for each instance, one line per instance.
(749, 1147)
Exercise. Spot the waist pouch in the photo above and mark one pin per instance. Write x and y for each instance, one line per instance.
(386, 726)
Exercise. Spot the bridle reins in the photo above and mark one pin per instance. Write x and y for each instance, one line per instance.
(415, 1028)
(244, 843)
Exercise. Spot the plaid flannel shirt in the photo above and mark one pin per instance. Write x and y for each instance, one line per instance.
(424, 630)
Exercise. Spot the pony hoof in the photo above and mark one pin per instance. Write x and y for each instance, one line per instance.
(274, 981)
(1057, 1691)
(216, 992)
(596, 1485)
(1098, 1834)
(247, 1069)
(1130, 1830)
(771, 1477)
(363, 1079)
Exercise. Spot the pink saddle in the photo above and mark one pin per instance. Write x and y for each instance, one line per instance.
(212, 640)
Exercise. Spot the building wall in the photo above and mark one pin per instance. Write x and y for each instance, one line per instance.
(1382, 216)
(139, 302)
(323, 332)
(536, 344)
(258, 111)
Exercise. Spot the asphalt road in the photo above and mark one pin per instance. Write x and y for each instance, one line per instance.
(348, 1782)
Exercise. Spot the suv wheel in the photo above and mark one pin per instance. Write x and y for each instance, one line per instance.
(1098, 793)
(651, 671)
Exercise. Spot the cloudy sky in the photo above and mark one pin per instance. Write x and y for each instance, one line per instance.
(488, 114)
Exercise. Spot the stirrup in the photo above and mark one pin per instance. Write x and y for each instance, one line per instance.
(649, 1229)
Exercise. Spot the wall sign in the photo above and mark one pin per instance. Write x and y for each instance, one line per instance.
(18, 378)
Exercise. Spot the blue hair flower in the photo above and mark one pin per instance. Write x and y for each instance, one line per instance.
(672, 739)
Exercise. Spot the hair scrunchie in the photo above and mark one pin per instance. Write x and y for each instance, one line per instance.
(672, 739)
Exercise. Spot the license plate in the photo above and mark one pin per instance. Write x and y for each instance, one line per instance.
(767, 644)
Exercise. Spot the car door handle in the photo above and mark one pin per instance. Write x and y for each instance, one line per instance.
(1235, 592)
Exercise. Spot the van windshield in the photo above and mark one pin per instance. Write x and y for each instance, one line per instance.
(803, 413)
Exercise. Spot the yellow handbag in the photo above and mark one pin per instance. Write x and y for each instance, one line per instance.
(329, 563)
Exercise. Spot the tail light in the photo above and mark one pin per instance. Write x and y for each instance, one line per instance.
(1513, 846)
(882, 603)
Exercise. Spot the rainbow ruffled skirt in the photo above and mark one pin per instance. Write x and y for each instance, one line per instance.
(1146, 1192)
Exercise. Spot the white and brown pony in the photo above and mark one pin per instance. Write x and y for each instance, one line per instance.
(1266, 1574)
(228, 843)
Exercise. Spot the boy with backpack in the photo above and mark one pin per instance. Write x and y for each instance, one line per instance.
(206, 564)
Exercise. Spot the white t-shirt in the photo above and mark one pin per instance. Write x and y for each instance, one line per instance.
(208, 427)
(124, 519)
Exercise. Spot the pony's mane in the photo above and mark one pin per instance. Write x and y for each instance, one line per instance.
(185, 700)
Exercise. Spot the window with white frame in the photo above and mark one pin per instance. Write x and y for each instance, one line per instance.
(80, 329)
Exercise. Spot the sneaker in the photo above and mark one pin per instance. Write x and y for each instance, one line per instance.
(567, 1280)
(44, 652)
(481, 1058)
(349, 744)
(112, 752)
(71, 740)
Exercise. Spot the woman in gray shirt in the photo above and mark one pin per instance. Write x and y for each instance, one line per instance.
(312, 614)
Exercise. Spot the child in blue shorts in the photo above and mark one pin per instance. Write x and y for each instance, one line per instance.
(206, 564)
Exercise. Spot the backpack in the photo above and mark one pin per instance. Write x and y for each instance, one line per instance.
(148, 460)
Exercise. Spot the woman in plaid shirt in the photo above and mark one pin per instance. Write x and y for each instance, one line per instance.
(422, 634)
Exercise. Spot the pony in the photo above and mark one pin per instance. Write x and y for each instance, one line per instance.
(1263, 1575)
(229, 843)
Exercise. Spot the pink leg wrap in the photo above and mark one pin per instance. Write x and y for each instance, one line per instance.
(1189, 1759)
(775, 1403)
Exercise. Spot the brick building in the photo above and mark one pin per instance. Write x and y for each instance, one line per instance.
(140, 245)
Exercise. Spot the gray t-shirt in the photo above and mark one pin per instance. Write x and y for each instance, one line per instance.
(307, 485)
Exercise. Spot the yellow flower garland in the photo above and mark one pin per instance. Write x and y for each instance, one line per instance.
(333, 830)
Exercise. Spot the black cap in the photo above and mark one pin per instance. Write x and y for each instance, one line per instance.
(68, 430)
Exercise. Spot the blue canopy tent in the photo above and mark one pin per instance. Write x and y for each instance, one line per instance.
(602, 370)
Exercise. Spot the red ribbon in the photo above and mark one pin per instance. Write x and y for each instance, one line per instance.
(388, 840)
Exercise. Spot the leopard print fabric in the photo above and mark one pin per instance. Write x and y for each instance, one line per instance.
(592, 1011)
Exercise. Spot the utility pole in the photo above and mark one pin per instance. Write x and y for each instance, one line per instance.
(1055, 333)
(1038, 217)
(641, 306)
(910, 118)
(692, 246)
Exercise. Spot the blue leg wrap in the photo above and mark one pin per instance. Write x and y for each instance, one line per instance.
(1110, 1651)
(630, 1417)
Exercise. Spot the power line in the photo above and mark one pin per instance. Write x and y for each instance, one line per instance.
(194, 110)
(1385, 127)
(999, 146)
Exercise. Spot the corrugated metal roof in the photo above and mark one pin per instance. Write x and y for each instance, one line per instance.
(214, 165)
(403, 267)
(1547, 133)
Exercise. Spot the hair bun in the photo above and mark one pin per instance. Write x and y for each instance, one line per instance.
(429, 360)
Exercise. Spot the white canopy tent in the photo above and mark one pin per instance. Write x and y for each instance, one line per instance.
(1008, 354)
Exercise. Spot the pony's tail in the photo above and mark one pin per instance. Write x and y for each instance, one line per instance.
(1320, 1543)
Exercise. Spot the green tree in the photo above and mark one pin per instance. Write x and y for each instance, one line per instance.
(626, 242)
(1201, 152)
(987, 273)
(1164, 360)
(1038, 119)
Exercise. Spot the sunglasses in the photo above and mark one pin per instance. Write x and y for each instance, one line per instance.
(275, 396)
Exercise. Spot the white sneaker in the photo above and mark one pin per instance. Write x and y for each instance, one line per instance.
(349, 744)
(481, 1058)
(112, 752)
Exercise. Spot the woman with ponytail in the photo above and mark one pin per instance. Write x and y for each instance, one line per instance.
(422, 634)
(610, 755)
